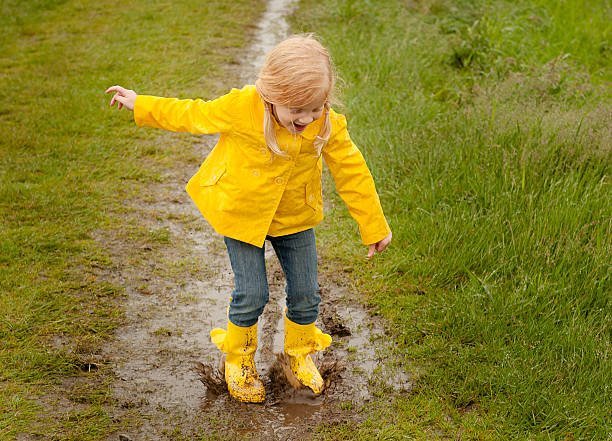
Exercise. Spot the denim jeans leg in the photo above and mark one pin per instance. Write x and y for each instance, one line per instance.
(251, 292)
(297, 255)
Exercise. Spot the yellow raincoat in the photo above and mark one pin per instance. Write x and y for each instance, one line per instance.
(242, 192)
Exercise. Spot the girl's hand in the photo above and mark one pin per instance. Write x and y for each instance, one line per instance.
(380, 245)
(124, 97)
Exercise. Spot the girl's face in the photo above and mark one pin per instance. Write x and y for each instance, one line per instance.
(296, 119)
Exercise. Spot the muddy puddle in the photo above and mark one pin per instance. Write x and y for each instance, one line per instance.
(170, 385)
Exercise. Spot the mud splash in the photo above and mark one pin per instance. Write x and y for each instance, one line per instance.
(171, 382)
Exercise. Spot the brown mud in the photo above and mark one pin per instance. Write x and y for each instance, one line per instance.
(169, 374)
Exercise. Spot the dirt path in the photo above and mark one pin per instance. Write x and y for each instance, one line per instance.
(177, 293)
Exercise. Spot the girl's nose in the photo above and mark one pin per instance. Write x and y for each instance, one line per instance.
(305, 121)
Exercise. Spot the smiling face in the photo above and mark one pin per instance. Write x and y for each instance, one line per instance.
(296, 119)
(296, 85)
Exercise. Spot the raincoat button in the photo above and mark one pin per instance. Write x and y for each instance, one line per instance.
(279, 180)
(263, 151)
(255, 172)
(310, 198)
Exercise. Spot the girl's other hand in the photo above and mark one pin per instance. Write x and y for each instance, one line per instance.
(380, 245)
(124, 97)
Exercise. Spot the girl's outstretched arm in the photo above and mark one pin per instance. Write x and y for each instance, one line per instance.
(124, 97)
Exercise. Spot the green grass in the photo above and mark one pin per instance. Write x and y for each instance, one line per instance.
(68, 163)
(487, 128)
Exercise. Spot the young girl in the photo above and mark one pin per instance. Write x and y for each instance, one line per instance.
(262, 181)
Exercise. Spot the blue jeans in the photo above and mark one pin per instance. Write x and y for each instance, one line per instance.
(297, 255)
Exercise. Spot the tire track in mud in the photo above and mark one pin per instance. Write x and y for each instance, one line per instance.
(176, 294)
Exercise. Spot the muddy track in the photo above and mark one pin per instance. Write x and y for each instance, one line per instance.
(168, 381)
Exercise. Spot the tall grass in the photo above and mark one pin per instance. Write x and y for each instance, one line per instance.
(67, 165)
(487, 126)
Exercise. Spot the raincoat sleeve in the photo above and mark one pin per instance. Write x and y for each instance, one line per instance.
(193, 116)
(355, 184)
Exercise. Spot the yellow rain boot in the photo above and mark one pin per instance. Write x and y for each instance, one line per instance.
(241, 377)
(300, 342)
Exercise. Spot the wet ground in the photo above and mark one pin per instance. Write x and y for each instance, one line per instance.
(169, 384)
(170, 379)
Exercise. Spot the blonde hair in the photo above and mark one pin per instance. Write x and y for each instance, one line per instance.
(297, 72)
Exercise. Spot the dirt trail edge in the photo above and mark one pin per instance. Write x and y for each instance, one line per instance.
(168, 381)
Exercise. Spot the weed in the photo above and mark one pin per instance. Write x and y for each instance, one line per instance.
(69, 170)
(493, 170)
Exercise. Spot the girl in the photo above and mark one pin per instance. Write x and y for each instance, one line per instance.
(262, 181)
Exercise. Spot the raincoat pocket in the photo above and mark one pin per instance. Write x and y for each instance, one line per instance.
(313, 195)
(210, 177)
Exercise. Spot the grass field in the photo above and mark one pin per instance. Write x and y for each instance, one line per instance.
(488, 128)
(67, 165)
